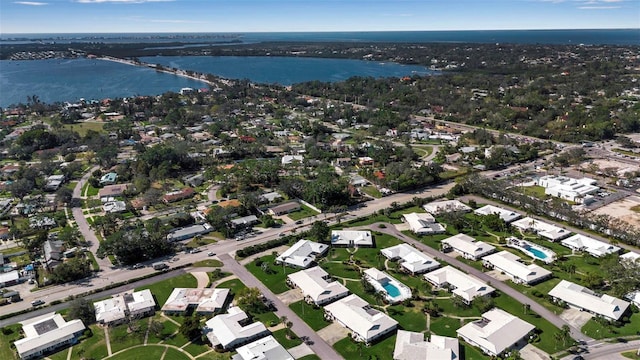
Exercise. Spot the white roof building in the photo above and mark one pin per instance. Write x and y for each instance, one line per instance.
(116, 309)
(411, 259)
(496, 332)
(351, 238)
(302, 254)
(630, 257)
(366, 323)
(46, 333)
(468, 247)
(465, 286)
(290, 159)
(205, 301)
(114, 206)
(442, 206)
(228, 331)
(513, 267)
(568, 188)
(267, 348)
(394, 290)
(422, 223)
(541, 228)
(506, 215)
(580, 297)
(412, 346)
(594, 247)
(316, 285)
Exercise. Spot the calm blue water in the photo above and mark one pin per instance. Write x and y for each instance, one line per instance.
(391, 290)
(537, 253)
(285, 70)
(589, 37)
(71, 79)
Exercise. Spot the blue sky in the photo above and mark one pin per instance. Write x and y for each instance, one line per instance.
(107, 16)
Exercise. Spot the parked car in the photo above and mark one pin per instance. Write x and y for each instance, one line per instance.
(210, 253)
(137, 266)
(37, 302)
(196, 250)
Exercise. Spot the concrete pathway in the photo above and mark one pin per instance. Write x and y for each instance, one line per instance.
(202, 277)
(107, 340)
(319, 346)
(300, 351)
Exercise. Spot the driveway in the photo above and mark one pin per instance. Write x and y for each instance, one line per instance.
(333, 333)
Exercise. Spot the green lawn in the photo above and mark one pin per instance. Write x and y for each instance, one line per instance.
(314, 317)
(371, 191)
(169, 328)
(411, 319)
(235, 285)
(268, 318)
(176, 339)
(281, 336)
(93, 347)
(599, 331)
(341, 270)
(272, 276)
(121, 337)
(208, 263)
(10, 334)
(469, 352)
(304, 212)
(161, 290)
(535, 191)
(444, 326)
(83, 128)
(141, 353)
(196, 348)
(382, 350)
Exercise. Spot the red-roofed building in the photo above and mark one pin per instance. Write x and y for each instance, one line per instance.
(178, 195)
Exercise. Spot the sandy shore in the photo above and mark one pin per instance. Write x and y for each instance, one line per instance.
(181, 73)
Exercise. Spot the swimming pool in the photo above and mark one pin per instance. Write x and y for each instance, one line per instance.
(391, 289)
(537, 253)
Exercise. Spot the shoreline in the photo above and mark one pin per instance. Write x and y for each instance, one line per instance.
(176, 72)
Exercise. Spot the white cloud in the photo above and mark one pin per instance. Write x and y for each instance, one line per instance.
(30, 3)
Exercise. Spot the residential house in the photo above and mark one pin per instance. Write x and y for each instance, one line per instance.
(496, 332)
(9, 278)
(467, 246)
(114, 207)
(291, 159)
(270, 197)
(245, 221)
(53, 253)
(178, 195)
(444, 206)
(507, 215)
(411, 259)
(366, 324)
(413, 346)
(45, 334)
(194, 180)
(204, 301)
(317, 286)
(465, 286)
(549, 231)
(351, 238)
(108, 179)
(231, 330)
(302, 254)
(423, 224)
(284, 208)
(53, 182)
(189, 232)
(267, 348)
(112, 191)
(512, 266)
(582, 298)
(590, 245)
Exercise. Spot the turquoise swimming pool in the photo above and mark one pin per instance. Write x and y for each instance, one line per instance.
(537, 253)
(391, 289)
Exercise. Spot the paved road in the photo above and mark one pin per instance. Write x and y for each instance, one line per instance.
(607, 351)
(319, 346)
(499, 285)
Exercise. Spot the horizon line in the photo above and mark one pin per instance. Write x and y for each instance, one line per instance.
(309, 31)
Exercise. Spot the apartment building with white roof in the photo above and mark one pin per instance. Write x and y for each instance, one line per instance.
(590, 245)
(302, 254)
(423, 224)
(316, 286)
(351, 238)
(231, 330)
(467, 246)
(512, 266)
(507, 215)
(463, 285)
(410, 258)
(203, 300)
(267, 348)
(47, 333)
(582, 298)
(444, 206)
(367, 324)
(119, 308)
(413, 346)
(496, 332)
(549, 231)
